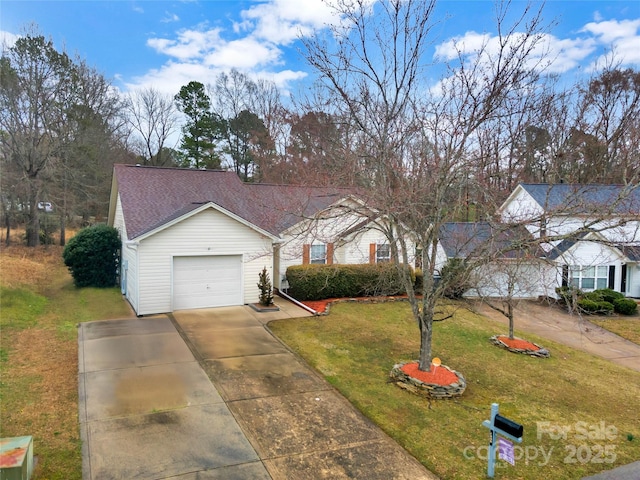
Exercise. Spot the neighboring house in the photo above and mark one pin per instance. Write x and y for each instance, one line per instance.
(589, 236)
(199, 238)
(508, 262)
(593, 231)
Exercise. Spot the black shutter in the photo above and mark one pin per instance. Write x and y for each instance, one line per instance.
(612, 277)
(565, 275)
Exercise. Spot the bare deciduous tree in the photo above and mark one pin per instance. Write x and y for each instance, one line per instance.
(416, 143)
(153, 118)
(35, 79)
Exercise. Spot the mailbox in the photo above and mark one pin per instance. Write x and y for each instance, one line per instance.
(508, 426)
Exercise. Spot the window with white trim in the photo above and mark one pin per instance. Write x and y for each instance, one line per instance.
(589, 278)
(318, 253)
(383, 253)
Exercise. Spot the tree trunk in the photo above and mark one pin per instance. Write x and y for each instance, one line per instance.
(33, 222)
(510, 316)
(7, 221)
(63, 229)
(426, 332)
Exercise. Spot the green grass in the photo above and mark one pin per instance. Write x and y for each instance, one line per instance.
(628, 328)
(20, 307)
(356, 346)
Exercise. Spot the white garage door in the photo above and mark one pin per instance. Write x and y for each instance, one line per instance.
(211, 281)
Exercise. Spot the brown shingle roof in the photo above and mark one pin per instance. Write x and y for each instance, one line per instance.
(153, 196)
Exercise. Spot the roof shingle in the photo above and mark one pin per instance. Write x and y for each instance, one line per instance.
(154, 196)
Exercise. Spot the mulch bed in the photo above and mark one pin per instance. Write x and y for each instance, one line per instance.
(518, 345)
(438, 382)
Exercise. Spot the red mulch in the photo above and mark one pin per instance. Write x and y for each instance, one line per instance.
(436, 375)
(517, 343)
(318, 305)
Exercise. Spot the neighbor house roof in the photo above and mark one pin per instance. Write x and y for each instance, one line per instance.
(632, 252)
(585, 199)
(464, 239)
(153, 196)
(566, 245)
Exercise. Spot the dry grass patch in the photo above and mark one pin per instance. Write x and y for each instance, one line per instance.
(39, 355)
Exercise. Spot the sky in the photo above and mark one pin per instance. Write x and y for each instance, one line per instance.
(166, 44)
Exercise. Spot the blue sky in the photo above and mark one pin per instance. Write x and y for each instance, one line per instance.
(166, 44)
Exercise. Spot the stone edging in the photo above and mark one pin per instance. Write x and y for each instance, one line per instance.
(541, 352)
(429, 390)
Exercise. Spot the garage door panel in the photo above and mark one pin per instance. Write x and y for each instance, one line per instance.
(207, 281)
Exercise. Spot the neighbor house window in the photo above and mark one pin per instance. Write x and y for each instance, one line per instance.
(318, 253)
(589, 278)
(383, 253)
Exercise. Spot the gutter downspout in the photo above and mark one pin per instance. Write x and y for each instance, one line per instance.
(296, 302)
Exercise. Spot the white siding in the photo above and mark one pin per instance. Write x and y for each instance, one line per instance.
(351, 250)
(530, 280)
(128, 259)
(587, 253)
(208, 232)
(633, 280)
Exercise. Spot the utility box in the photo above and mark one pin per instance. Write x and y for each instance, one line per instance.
(16, 458)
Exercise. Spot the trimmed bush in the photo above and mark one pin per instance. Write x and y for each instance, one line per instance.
(603, 295)
(568, 293)
(317, 282)
(92, 256)
(454, 278)
(625, 306)
(593, 307)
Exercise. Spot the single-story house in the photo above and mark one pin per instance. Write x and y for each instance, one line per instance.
(508, 261)
(200, 238)
(585, 235)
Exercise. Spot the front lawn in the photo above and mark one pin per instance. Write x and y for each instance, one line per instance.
(579, 412)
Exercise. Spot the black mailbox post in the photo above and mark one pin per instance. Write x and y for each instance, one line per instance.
(499, 425)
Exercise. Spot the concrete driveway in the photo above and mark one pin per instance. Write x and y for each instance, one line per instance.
(211, 394)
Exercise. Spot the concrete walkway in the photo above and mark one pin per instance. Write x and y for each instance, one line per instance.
(572, 330)
(148, 410)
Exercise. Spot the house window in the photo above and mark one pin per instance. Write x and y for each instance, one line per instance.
(318, 253)
(383, 253)
(589, 278)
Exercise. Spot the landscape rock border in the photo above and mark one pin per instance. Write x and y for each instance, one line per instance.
(429, 390)
(540, 352)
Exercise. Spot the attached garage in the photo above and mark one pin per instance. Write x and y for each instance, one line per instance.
(207, 281)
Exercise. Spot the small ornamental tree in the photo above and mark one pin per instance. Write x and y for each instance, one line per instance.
(266, 292)
(92, 256)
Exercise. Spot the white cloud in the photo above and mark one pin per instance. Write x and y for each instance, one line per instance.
(190, 44)
(170, 17)
(244, 54)
(283, 21)
(618, 37)
(608, 31)
(554, 54)
(7, 39)
(253, 44)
